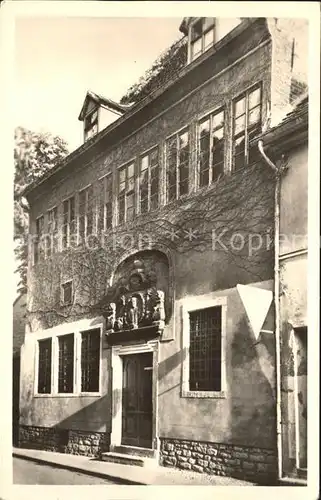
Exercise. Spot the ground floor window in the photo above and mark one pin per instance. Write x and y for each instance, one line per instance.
(66, 364)
(44, 366)
(205, 350)
(90, 356)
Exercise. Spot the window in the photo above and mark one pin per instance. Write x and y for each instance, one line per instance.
(148, 181)
(66, 364)
(211, 148)
(52, 240)
(38, 243)
(126, 193)
(44, 366)
(91, 125)
(246, 125)
(201, 36)
(86, 213)
(67, 293)
(205, 350)
(69, 222)
(105, 215)
(90, 360)
(177, 165)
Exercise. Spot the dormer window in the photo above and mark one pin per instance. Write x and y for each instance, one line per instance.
(201, 36)
(91, 124)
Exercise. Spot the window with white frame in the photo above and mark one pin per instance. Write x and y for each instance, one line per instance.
(201, 36)
(105, 212)
(247, 124)
(90, 360)
(177, 165)
(211, 148)
(69, 363)
(38, 247)
(66, 348)
(69, 222)
(44, 366)
(149, 181)
(126, 193)
(52, 240)
(86, 213)
(204, 345)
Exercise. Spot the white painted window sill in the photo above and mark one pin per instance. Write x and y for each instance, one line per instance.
(203, 394)
(70, 395)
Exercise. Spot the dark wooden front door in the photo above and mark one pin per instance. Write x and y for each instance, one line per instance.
(137, 400)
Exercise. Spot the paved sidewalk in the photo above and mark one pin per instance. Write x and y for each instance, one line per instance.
(126, 474)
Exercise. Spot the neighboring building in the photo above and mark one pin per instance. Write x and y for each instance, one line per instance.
(150, 242)
(19, 323)
(290, 138)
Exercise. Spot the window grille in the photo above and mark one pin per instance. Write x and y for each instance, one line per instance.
(205, 350)
(44, 366)
(90, 361)
(66, 364)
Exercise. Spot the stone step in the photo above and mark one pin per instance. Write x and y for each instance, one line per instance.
(135, 451)
(126, 459)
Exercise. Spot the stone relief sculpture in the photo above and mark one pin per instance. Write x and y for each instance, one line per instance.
(137, 302)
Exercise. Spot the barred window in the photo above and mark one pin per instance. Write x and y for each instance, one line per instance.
(126, 193)
(52, 240)
(44, 366)
(69, 222)
(90, 360)
(105, 215)
(86, 213)
(66, 364)
(38, 248)
(205, 350)
(149, 181)
(177, 165)
(247, 123)
(211, 148)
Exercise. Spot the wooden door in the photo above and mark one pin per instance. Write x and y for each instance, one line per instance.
(137, 400)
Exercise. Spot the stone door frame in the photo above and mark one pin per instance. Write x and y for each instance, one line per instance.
(117, 382)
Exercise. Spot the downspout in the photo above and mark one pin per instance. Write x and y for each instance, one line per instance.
(276, 303)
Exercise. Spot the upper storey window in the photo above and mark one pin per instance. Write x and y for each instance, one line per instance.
(201, 36)
(91, 124)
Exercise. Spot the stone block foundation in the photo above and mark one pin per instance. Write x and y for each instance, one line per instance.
(253, 464)
(75, 442)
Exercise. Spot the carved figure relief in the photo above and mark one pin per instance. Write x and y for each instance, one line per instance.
(136, 301)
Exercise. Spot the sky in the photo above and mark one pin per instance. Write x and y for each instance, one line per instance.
(58, 59)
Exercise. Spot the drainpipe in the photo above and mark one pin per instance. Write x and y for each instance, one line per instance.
(276, 302)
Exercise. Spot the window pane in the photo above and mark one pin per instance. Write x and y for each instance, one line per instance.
(183, 140)
(218, 120)
(130, 170)
(254, 98)
(208, 22)
(121, 209)
(44, 367)
(204, 153)
(144, 163)
(90, 360)
(66, 364)
(239, 107)
(218, 154)
(154, 157)
(205, 350)
(122, 175)
(171, 165)
(67, 292)
(239, 124)
(208, 39)
(197, 29)
(255, 115)
(239, 152)
(196, 48)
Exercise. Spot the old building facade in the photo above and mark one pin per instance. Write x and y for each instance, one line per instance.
(146, 244)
